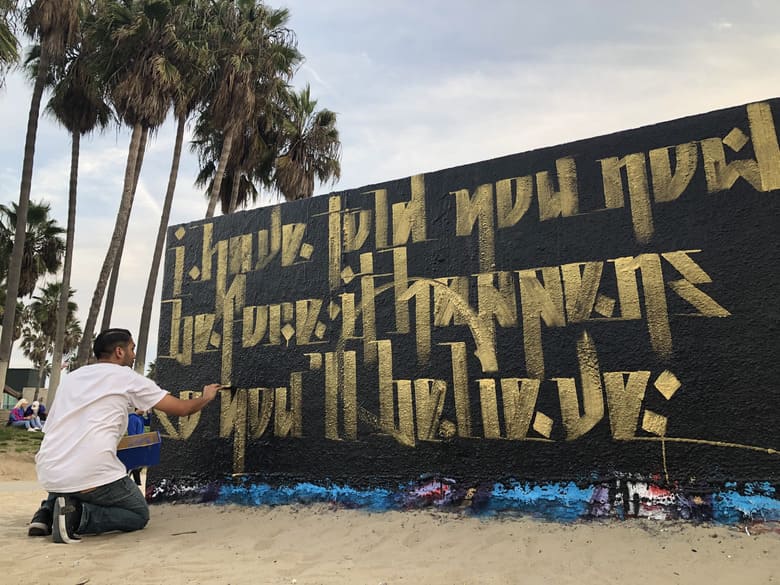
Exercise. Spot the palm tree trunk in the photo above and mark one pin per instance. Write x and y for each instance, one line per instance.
(234, 191)
(15, 264)
(217, 186)
(111, 290)
(122, 217)
(39, 384)
(62, 310)
(151, 285)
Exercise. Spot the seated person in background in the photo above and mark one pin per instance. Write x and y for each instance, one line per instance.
(36, 409)
(136, 423)
(18, 418)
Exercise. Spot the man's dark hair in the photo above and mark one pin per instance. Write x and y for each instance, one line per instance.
(109, 340)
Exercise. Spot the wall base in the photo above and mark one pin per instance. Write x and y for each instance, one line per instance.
(620, 497)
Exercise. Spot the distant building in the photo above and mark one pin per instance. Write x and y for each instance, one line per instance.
(22, 382)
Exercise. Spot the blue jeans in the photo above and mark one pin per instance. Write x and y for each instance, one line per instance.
(118, 505)
(22, 424)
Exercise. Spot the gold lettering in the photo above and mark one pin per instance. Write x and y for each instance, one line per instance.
(582, 287)
(722, 175)
(178, 270)
(232, 420)
(221, 250)
(460, 388)
(519, 395)
(234, 302)
(401, 284)
(668, 186)
(334, 242)
(306, 313)
(204, 327)
(509, 212)
(638, 191)
(254, 325)
(269, 242)
(357, 225)
(628, 290)
(274, 324)
(624, 400)
(422, 302)
(489, 406)
(188, 424)
(470, 209)
(577, 425)
(382, 221)
(260, 402)
(180, 346)
(444, 312)
(340, 389)
(292, 240)
(692, 275)
(563, 202)
(497, 302)
(764, 135)
(348, 316)
(405, 428)
(429, 397)
(240, 254)
(403, 432)
(288, 422)
(368, 307)
(409, 218)
(539, 303)
(655, 305)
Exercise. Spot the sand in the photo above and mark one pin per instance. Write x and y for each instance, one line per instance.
(307, 545)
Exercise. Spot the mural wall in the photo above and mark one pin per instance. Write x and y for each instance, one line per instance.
(584, 330)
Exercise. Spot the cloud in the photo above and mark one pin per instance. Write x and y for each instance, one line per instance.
(422, 86)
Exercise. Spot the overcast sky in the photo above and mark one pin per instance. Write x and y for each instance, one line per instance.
(424, 85)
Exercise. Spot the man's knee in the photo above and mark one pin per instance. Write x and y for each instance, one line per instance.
(138, 520)
(145, 517)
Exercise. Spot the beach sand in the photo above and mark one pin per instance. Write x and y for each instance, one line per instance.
(318, 544)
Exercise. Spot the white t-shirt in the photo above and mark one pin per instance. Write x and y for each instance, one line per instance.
(85, 423)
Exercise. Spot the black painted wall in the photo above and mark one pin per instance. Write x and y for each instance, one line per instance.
(609, 305)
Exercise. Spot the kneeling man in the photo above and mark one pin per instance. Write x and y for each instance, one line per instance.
(89, 489)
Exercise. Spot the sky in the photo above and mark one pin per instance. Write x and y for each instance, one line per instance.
(418, 86)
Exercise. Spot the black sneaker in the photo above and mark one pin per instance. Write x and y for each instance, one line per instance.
(40, 525)
(67, 517)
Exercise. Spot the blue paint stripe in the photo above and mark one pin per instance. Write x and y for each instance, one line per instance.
(305, 493)
(561, 502)
(732, 507)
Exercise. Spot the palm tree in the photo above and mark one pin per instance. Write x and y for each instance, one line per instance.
(43, 250)
(108, 308)
(312, 149)
(43, 245)
(78, 105)
(133, 47)
(34, 348)
(54, 23)
(40, 328)
(9, 45)
(251, 44)
(19, 314)
(192, 61)
(251, 163)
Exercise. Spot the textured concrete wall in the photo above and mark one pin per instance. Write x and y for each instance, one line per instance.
(588, 329)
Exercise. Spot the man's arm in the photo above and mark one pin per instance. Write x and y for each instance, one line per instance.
(172, 405)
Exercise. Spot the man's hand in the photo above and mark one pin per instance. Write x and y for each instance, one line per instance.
(172, 405)
(210, 391)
